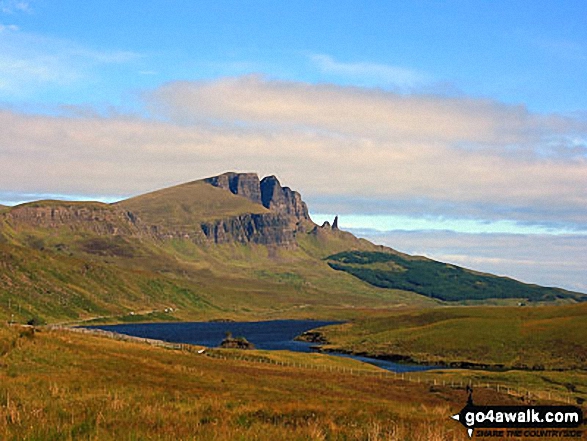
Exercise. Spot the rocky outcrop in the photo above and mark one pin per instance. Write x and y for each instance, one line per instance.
(282, 199)
(264, 229)
(107, 220)
(287, 215)
(236, 343)
(326, 228)
(242, 184)
(268, 192)
(98, 218)
(312, 337)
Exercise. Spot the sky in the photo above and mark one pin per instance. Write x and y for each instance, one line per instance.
(452, 129)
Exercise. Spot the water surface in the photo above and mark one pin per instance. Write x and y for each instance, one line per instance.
(268, 335)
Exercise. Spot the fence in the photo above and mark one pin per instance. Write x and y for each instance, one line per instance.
(413, 377)
(117, 336)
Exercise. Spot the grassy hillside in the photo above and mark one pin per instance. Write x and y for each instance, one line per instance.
(545, 337)
(189, 204)
(55, 203)
(122, 275)
(320, 243)
(48, 286)
(69, 261)
(59, 385)
(439, 280)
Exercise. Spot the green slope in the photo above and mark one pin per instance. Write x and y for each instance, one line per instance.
(439, 280)
(54, 287)
(77, 260)
(545, 337)
(189, 204)
(72, 272)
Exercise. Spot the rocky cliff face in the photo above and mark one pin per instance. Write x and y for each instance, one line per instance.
(242, 184)
(282, 199)
(288, 215)
(264, 229)
(288, 212)
(267, 192)
(98, 218)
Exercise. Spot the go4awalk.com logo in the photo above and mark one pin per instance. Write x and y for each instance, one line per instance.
(520, 421)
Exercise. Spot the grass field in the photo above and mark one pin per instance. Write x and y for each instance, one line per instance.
(544, 337)
(58, 385)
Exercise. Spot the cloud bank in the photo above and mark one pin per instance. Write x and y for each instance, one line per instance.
(346, 148)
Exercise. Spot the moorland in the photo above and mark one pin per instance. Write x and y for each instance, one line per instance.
(234, 247)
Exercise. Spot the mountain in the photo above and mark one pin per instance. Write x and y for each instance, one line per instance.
(228, 246)
(230, 208)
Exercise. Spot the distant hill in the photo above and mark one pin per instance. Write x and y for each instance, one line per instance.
(229, 246)
(439, 280)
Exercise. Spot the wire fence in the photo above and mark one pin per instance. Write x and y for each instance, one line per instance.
(412, 377)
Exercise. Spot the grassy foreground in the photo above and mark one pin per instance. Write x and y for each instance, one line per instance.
(59, 385)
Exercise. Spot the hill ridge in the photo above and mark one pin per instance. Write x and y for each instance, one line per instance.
(227, 245)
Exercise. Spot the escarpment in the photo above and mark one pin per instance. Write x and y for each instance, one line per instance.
(288, 213)
(264, 229)
(268, 192)
(102, 219)
(224, 209)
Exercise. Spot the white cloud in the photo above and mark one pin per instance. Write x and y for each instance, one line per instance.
(363, 112)
(362, 72)
(8, 28)
(361, 149)
(354, 143)
(29, 62)
(13, 6)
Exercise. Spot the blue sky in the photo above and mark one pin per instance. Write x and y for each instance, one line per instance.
(459, 116)
(527, 52)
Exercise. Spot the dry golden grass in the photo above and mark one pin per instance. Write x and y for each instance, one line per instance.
(58, 385)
